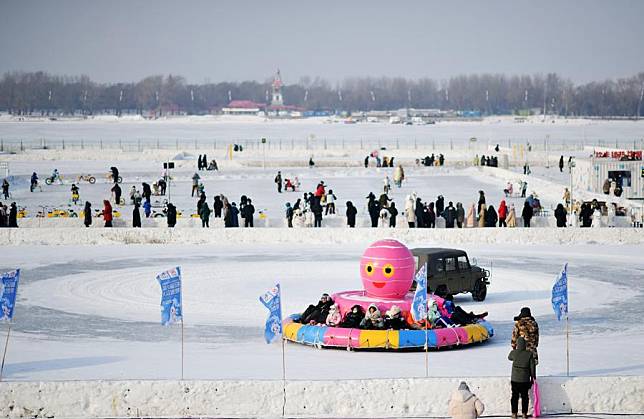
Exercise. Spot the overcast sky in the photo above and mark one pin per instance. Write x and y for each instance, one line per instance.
(124, 40)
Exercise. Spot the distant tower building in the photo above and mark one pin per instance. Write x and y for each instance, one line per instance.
(277, 99)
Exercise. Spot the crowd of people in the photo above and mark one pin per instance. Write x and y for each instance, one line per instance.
(442, 313)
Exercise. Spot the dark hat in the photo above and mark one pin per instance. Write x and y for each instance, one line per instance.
(525, 312)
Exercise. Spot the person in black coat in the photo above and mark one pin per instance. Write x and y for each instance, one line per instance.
(373, 207)
(491, 217)
(136, 216)
(217, 205)
(351, 214)
(317, 314)
(440, 204)
(162, 186)
(393, 213)
(13, 215)
(561, 215)
(561, 163)
(481, 201)
(234, 213)
(527, 214)
(88, 214)
(248, 212)
(353, 318)
(316, 208)
(419, 211)
(199, 162)
(228, 216)
(117, 193)
(586, 215)
(204, 162)
(172, 215)
(449, 214)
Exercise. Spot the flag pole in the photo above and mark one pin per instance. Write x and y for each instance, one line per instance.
(567, 347)
(426, 351)
(6, 343)
(182, 346)
(284, 376)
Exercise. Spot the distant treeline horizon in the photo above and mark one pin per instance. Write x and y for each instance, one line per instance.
(41, 93)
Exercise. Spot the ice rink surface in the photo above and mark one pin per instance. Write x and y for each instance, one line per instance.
(93, 312)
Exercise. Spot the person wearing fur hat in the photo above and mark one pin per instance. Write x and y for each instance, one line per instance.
(464, 404)
(353, 318)
(394, 319)
(372, 319)
(526, 326)
(334, 318)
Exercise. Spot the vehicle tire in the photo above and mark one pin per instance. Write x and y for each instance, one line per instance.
(92, 180)
(159, 216)
(119, 180)
(73, 215)
(48, 181)
(480, 290)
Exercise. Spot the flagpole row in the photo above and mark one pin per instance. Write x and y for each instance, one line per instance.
(4, 354)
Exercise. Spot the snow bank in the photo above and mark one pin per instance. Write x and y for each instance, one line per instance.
(349, 398)
(97, 236)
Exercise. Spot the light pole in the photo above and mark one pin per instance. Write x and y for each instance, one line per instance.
(264, 153)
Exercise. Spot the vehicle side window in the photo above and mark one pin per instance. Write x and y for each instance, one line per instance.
(463, 264)
(450, 264)
(440, 265)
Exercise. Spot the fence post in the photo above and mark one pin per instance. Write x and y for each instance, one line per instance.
(214, 144)
(82, 144)
(397, 144)
(361, 146)
(2, 144)
(44, 143)
(451, 144)
(195, 144)
(63, 144)
(177, 142)
(22, 147)
(325, 143)
(280, 144)
(101, 141)
(157, 143)
(433, 144)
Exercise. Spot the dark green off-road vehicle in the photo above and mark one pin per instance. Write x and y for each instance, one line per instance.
(449, 272)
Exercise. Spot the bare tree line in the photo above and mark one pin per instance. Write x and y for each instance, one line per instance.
(39, 93)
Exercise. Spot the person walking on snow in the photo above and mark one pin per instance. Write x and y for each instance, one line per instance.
(399, 175)
(561, 164)
(204, 214)
(136, 216)
(5, 189)
(195, 183)
(464, 404)
(107, 213)
(87, 216)
(503, 214)
(278, 181)
(410, 213)
(351, 214)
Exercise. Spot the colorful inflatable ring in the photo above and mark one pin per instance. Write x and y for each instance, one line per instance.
(338, 337)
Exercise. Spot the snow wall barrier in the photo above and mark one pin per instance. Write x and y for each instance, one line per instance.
(309, 236)
(347, 398)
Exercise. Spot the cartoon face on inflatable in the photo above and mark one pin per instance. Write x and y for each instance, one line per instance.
(387, 269)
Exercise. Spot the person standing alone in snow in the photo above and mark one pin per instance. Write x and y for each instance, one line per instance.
(278, 181)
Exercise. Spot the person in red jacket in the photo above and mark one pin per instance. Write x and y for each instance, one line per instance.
(503, 213)
(107, 213)
(319, 192)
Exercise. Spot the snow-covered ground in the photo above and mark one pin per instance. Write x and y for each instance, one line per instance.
(92, 312)
(89, 304)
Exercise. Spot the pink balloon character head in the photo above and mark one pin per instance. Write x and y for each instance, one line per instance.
(387, 269)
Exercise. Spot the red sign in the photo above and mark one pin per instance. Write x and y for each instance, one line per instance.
(619, 155)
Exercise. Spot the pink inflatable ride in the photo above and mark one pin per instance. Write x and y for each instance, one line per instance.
(387, 270)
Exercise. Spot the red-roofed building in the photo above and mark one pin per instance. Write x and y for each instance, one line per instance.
(243, 107)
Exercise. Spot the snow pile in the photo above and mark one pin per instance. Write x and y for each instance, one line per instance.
(360, 398)
(94, 236)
